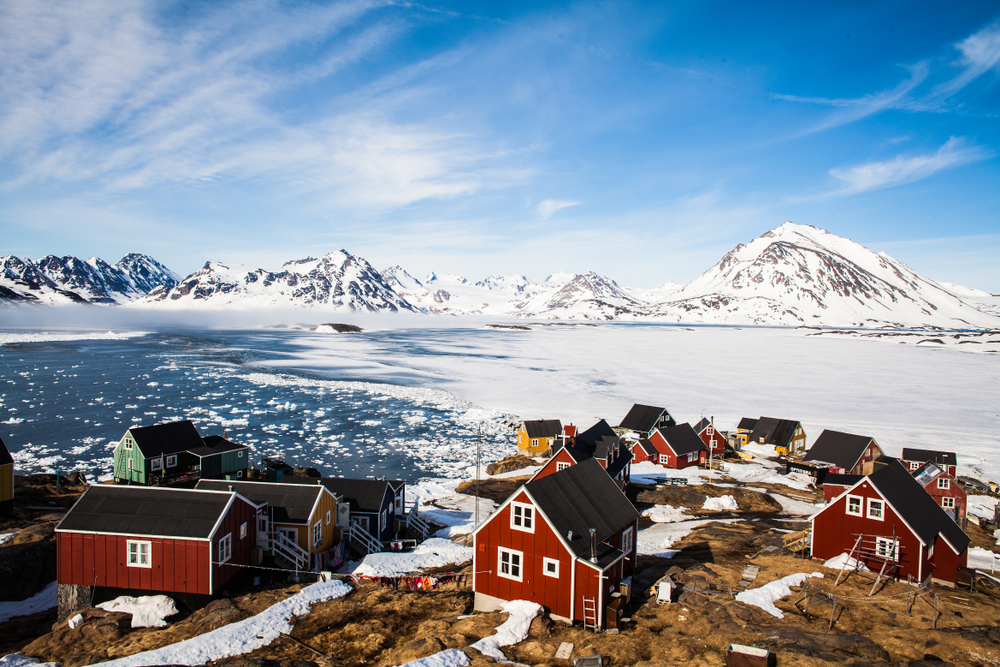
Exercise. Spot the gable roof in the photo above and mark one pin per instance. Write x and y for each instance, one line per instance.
(588, 439)
(363, 495)
(930, 455)
(704, 423)
(916, 507)
(215, 445)
(5, 457)
(777, 432)
(579, 498)
(169, 438)
(682, 439)
(543, 428)
(143, 510)
(747, 424)
(642, 418)
(647, 447)
(841, 449)
(619, 463)
(842, 480)
(289, 503)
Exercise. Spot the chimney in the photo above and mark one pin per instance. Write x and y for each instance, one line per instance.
(593, 545)
(230, 487)
(569, 536)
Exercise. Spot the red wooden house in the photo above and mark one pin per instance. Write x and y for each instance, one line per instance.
(679, 447)
(599, 442)
(644, 450)
(887, 521)
(847, 453)
(945, 491)
(711, 436)
(565, 541)
(834, 485)
(946, 461)
(139, 538)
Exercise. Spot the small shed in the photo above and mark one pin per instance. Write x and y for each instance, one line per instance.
(221, 459)
(6, 480)
(711, 436)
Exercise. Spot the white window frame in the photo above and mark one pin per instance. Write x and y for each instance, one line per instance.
(225, 548)
(664, 459)
(172, 461)
(883, 545)
(522, 517)
(243, 530)
(881, 510)
(914, 465)
(692, 457)
(128, 444)
(154, 464)
(943, 483)
(534, 442)
(561, 465)
(328, 517)
(317, 533)
(546, 562)
(513, 567)
(861, 505)
(261, 524)
(239, 454)
(383, 521)
(948, 502)
(141, 555)
(627, 541)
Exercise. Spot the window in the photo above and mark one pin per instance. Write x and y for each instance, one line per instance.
(239, 454)
(261, 524)
(854, 505)
(522, 517)
(172, 461)
(561, 465)
(534, 442)
(692, 456)
(943, 483)
(243, 530)
(328, 516)
(239, 473)
(914, 465)
(886, 547)
(550, 567)
(140, 553)
(627, 541)
(664, 459)
(317, 533)
(509, 564)
(876, 509)
(226, 548)
(382, 520)
(948, 503)
(154, 464)
(128, 443)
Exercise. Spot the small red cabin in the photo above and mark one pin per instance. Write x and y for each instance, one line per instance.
(565, 541)
(887, 521)
(945, 491)
(155, 539)
(679, 447)
(712, 437)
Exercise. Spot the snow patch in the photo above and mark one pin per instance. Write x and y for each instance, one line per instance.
(448, 658)
(765, 596)
(838, 562)
(720, 504)
(665, 514)
(147, 611)
(434, 552)
(520, 614)
(44, 599)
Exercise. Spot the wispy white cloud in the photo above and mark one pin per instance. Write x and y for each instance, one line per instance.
(980, 53)
(547, 207)
(900, 170)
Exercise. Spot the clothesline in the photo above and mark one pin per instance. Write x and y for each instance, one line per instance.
(414, 583)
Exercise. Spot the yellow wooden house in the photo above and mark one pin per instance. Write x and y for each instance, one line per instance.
(537, 436)
(787, 435)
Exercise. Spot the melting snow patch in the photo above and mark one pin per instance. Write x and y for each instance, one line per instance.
(838, 562)
(147, 611)
(665, 514)
(983, 559)
(449, 658)
(657, 539)
(238, 638)
(765, 596)
(434, 552)
(515, 629)
(18, 660)
(721, 503)
(6, 536)
(44, 599)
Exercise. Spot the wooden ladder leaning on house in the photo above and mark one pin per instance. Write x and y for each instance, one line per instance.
(590, 614)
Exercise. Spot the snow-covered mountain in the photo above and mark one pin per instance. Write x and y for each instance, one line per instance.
(798, 274)
(60, 280)
(338, 280)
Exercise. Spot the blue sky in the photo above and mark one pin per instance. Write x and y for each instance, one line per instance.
(642, 141)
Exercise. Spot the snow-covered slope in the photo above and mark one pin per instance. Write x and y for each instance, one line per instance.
(59, 280)
(797, 274)
(338, 280)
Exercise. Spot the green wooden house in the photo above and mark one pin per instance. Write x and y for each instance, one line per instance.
(151, 455)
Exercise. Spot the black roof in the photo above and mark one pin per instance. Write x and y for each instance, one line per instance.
(289, 503)
(604, 446)
(648, 447)
(363, 495)
(582, 497)
(841, 449)
(5, 456)
(619, 463)
(930, 455)
(747, 424)
(143, 510)
(682, 439)
(543, 428)
(702, 424)
(219, 444)
(589, 438)
(777, 432)
(643, 418)
(842, 480)
(169, 438)
(916, 506)
(576, 453)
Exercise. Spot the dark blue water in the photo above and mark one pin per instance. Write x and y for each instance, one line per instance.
(64, 405)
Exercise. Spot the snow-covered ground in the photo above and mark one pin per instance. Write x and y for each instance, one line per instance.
(433, 552)
(520, 614)
(148, 611)
(765, 596)
(44, 599)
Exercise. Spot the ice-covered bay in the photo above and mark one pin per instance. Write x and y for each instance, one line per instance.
(409, 401)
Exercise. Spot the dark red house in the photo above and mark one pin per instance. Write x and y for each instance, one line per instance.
(644, 450)
(155, 539)
(565, 541)
(946, 461)
(945, 491)
(598, 442)
(847, 453)
(711, 437)
(679, 446)
(887, 521)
